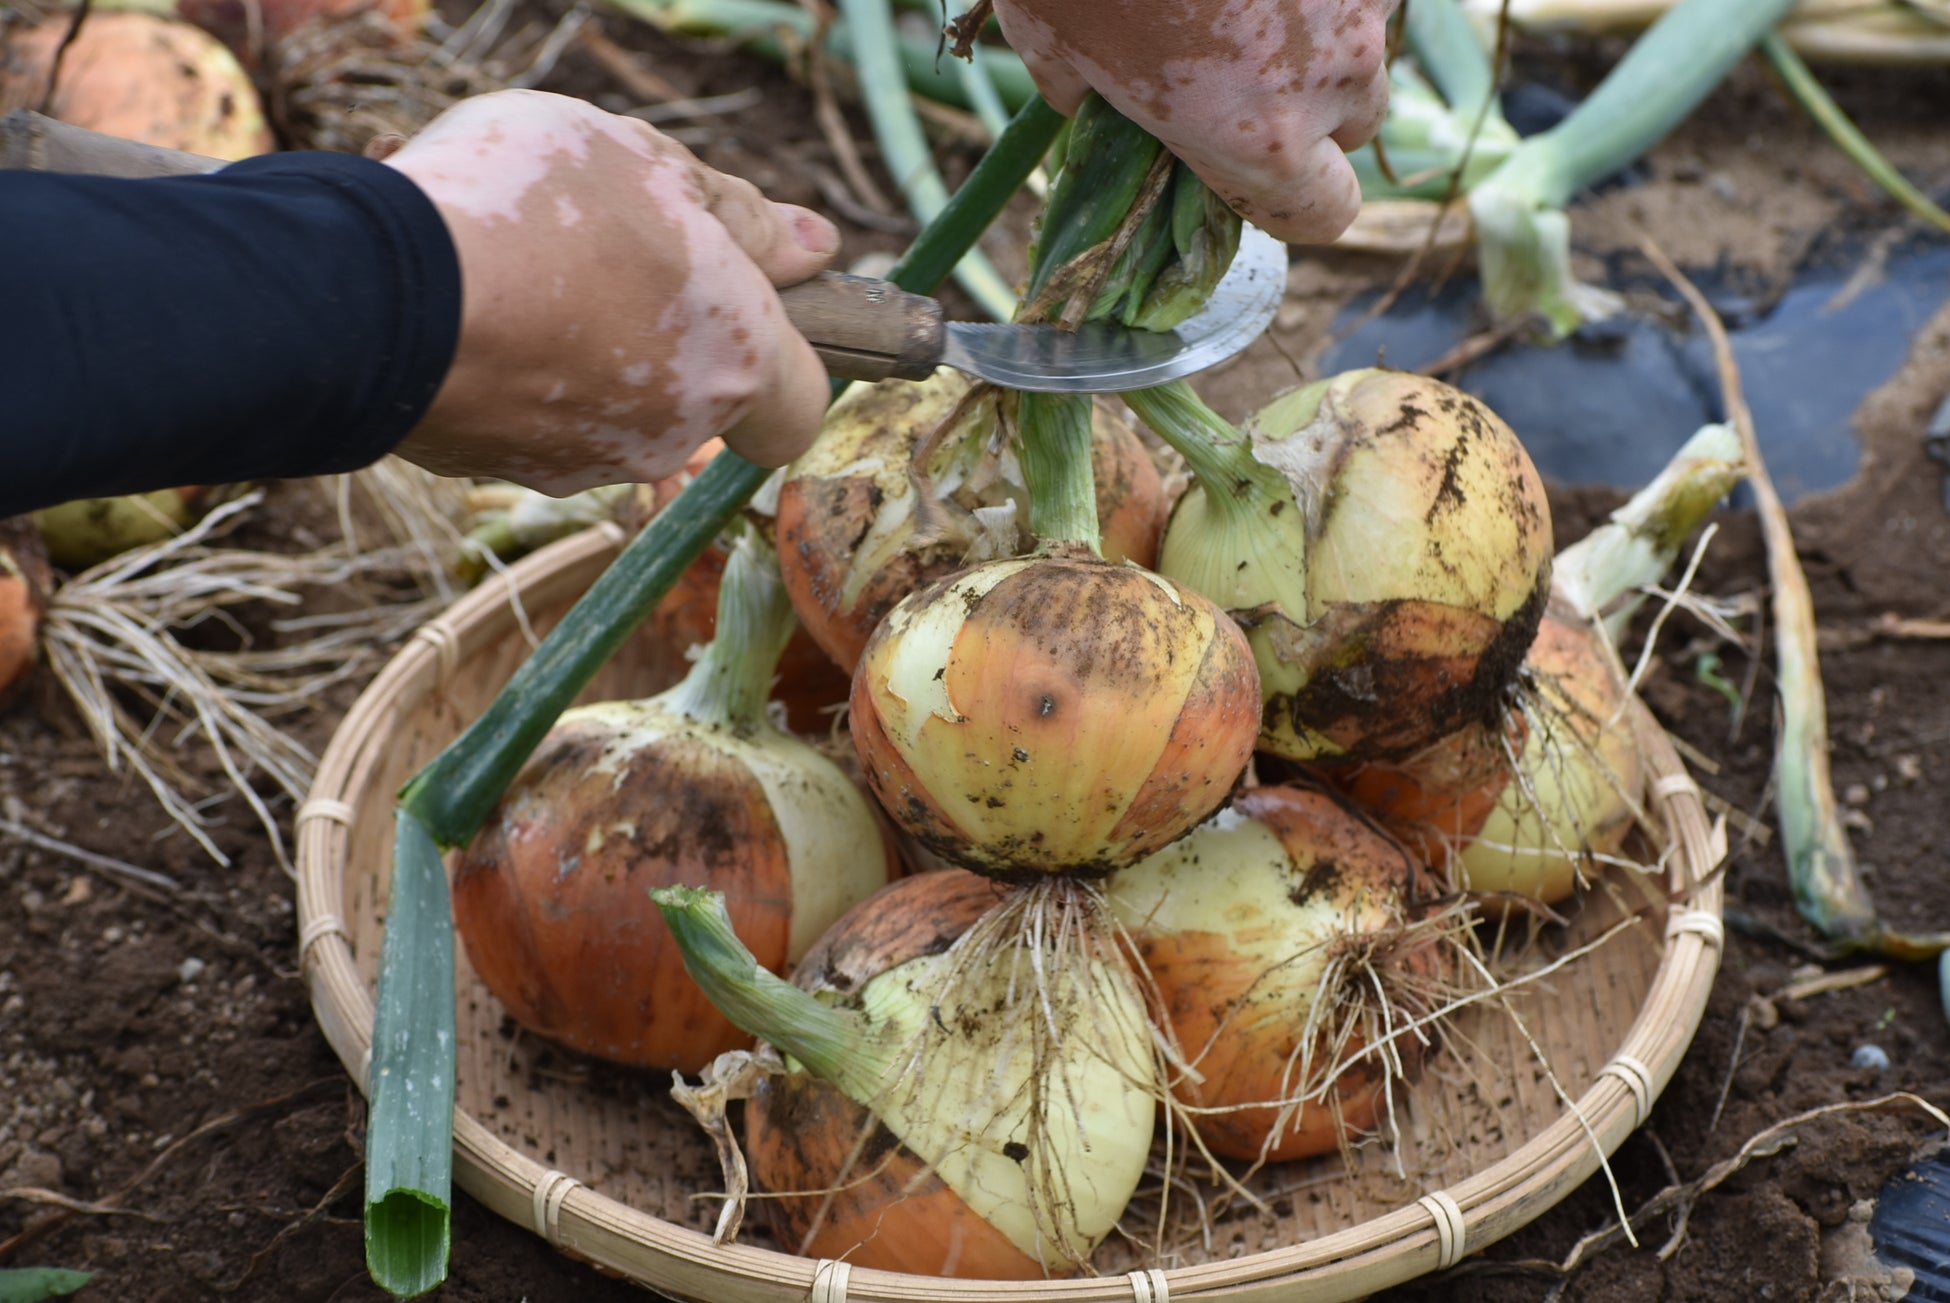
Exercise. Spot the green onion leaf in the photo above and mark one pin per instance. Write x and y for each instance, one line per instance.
(32, 1284)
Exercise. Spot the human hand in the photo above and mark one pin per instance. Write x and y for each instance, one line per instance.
(1261, 98)
(618, 300)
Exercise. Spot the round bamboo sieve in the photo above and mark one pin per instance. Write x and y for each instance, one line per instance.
(1560, 1069)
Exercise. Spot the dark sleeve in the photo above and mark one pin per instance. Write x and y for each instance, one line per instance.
(290, 315)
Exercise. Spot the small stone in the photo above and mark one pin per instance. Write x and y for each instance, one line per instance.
(1856, 794)
(78, 892)
(1870, 1056)
(1909, 768)
(190, 969)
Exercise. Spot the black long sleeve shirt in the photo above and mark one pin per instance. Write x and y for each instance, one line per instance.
(289, 315)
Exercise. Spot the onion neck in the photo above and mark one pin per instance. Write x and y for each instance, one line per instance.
(1218, 453)
(1054, 432)
(835, 1045)
(732, 680)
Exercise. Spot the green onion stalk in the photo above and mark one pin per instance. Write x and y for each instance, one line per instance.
(1445, 130)
(410, 1130)
(1129, 234)
(1523, 235)
(777, 29)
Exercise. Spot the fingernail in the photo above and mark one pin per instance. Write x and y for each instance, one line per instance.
(814, 233)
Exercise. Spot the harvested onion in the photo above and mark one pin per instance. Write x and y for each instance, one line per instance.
(139, 76)
(691, 786)
(1053, 714)
(861, 525)
(1286, 942)
(1386, 542)
(940, 1110)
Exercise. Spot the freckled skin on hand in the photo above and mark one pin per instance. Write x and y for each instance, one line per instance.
(619, 302)
(1260, 97)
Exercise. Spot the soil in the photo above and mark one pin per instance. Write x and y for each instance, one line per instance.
(172, 1120)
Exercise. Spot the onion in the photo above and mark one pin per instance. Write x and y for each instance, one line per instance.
(88, 531)
(1385, 540)
(1291, 944)
(1053, 714)
(139, 76)
(859, 529)
(1563, 734)
(1575, 793)
(26, 585)
(691, 786)
(940, 1110)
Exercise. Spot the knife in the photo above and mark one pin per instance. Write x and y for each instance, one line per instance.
(862, 328)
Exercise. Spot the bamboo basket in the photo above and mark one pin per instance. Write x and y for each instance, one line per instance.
(604, 1166)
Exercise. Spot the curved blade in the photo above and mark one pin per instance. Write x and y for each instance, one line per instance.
(1104, 358)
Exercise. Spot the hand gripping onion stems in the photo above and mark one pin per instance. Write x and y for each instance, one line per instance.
(969, 1085)
(695, 786)
(1293, 949)
(1385, 541)
(910, 481)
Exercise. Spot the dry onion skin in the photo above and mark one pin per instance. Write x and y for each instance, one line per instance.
(858, 530)
(139, 76)
(1386, 542)
(692, 786)
(1573, 796)
(1274, 933)
(1053, 714)
(963, 1092)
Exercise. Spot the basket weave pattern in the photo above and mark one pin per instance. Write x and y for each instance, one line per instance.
(610, 1174)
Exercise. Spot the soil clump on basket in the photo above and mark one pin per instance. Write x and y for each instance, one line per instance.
(172, 1119)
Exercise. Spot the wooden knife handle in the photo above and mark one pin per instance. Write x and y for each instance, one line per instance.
(34, 142)
(862, 329)
(866, 329)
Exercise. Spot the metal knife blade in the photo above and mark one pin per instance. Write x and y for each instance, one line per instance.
(865, 329)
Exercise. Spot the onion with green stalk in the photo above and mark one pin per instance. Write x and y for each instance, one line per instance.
(1527, 802)
(410, 1132)
(694, 785)
(932, 1110)
(910, 481)
(1384, 539)
(1059, 714)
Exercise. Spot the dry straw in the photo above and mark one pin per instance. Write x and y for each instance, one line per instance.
(604, 1166)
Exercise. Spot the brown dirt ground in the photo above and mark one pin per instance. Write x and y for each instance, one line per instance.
(160, 1052)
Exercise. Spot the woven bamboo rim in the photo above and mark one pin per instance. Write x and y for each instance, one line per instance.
(1425, 1235)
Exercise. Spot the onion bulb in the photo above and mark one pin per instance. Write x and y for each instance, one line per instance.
(861, 525)
(26, 586)
(139, 76)
(1053, 714)
(939, 1110)
(1291, 945)
(1575, 791)
(1386, 542)
(691, 786)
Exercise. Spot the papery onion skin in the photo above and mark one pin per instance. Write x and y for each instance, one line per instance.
(1582, 774)
(941, 1182)
(550, 898)
(140, 76)
(1236, 922)
(1441, 795)
(846, 516)
(1427, 563)
(1053, 715)
(888, 1209)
